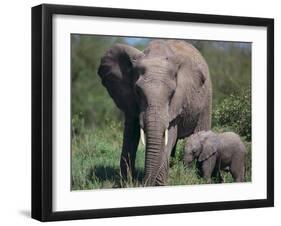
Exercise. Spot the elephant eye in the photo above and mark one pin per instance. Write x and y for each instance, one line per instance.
(141, 70)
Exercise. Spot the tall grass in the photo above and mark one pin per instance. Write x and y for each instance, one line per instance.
(96, 156)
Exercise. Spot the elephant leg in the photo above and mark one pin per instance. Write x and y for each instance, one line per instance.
(220, 177)
(208, 167)
(162, 175)
(130, 144)
(237, 168)
(217, 172)
(238, 174)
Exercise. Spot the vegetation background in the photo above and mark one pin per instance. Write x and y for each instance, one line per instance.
(97, 124)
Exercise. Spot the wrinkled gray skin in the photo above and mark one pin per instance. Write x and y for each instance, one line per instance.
(215, 152)
(167, 86)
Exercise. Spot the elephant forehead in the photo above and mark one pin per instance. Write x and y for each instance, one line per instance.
(158, 61)
(157, 83)
(158, 67)
(158, 48)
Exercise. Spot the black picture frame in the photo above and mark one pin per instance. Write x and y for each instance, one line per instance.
(42, 106)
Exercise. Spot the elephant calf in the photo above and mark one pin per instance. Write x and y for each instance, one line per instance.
(215, 152)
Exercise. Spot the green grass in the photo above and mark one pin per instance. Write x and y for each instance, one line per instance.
(96, 156)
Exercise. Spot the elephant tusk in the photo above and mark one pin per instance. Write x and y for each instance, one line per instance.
(142, 136)
(166, 137)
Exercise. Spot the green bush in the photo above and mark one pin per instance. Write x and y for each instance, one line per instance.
(234, 112)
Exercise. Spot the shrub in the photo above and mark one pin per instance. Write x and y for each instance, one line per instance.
(234, 112)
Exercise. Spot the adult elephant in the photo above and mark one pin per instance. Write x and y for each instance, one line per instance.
(165, 91)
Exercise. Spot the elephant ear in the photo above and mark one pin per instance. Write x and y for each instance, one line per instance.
(117, 74)
(209, 149)
(191, 78)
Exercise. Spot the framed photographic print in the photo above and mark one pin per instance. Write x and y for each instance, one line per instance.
(146, 112)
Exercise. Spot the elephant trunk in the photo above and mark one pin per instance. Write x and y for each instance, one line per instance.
(155, 145)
